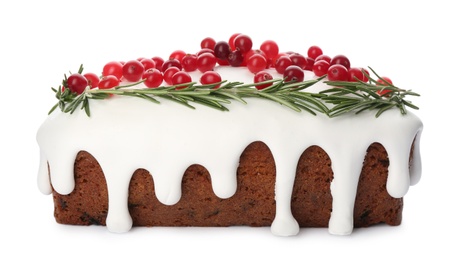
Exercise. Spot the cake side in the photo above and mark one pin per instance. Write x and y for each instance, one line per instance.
(253, 204)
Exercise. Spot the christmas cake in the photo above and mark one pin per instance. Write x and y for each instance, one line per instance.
(232, 134)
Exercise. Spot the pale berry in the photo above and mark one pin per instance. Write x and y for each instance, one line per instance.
(114, 68)
(341, 59)
(314, 51)
(210, 77)
(205, 62)
(293, 73)
(133, 70)
(108, 82)
(337, 72)
(320, 68)
(189, 62)
(256, 63)
(261, 77)
(152, 78)
(92, 78)
(77, 83)
(282, 63)
(270, 48)
(168, 74)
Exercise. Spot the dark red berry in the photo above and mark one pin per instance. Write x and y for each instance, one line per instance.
(171, 63)
(341, 59)
(222, 50)
(235, 58)
(293, 73)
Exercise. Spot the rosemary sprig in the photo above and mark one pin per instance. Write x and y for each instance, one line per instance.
(344, 97)
(359, 96)
(287, 94)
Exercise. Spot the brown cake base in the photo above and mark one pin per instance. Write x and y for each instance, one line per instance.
(252, 205)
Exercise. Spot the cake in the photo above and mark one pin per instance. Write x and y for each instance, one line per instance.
(255, 143)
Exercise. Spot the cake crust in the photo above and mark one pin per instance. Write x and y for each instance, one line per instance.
(253, 204)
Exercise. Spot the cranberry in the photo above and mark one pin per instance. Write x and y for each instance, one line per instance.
(337, 72)
(261, 77)
(293, 73)
(341, 59)
(320, 68)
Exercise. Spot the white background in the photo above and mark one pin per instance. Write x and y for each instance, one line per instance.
(416, 43)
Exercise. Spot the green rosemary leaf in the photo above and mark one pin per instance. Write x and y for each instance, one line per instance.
(229, 95)
(177, 100)
(149, 98)
(408, 104)
(309, 99)
(344, 97)
(279, 100)
(210, 103)
(53, 108)
(86, 106)
(385, 108)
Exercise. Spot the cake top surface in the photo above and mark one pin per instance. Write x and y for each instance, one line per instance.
(235, 70)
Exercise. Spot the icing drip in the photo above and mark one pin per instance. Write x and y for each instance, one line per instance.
(125, 134)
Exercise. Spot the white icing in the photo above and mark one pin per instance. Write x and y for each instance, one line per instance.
(125, 134)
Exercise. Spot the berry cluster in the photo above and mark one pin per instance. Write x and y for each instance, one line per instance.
(238, 51)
